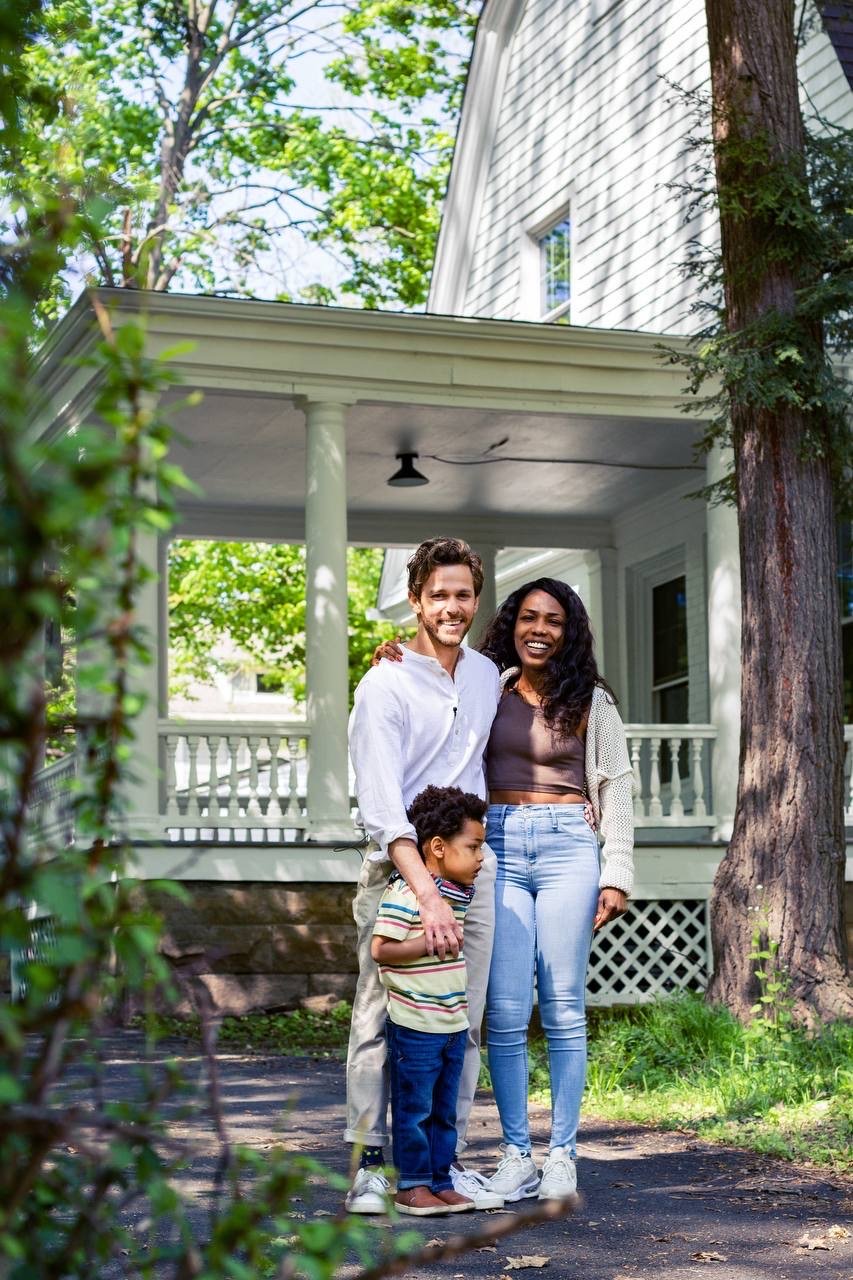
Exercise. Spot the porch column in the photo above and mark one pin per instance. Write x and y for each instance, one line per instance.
(326, 618)
(144, 774)
(724, 616)
(603, 609)
(489, 595)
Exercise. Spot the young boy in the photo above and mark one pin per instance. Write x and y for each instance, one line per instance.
(427, 1002)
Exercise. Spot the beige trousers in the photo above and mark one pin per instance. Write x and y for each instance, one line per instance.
(367, 1075)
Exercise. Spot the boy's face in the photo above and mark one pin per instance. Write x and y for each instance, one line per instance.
(461, 857)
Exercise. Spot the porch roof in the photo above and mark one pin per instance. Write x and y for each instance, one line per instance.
(444, 387)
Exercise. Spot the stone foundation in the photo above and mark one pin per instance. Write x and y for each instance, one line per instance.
(257, 946)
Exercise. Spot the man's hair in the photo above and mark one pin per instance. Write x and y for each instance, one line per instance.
(441, 551)
(442, 811)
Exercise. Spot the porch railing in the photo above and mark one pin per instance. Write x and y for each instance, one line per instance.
(222, 777)
(52, 800)
(672, 774)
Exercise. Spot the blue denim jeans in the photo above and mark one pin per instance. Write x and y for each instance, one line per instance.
(545, 900)
(425, 1070)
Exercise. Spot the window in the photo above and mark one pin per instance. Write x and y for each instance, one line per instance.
(845, 599)
(670, 680)
(555, 262)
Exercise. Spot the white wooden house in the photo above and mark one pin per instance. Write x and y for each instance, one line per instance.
(556, 275)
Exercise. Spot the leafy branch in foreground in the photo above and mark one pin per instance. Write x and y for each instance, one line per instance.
(90, 1178)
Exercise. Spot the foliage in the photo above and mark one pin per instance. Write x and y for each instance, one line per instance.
(784, 357)
(683, 1063)
(772, 1011)
(89, 1181)
(298, 1032)
(252, 594)
(216, 164)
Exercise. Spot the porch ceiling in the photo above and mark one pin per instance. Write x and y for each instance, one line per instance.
(435, 385)
(247, 449)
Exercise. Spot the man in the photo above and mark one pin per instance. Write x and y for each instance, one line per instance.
(423, 720)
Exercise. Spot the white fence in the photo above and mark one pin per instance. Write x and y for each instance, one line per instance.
(221, 777)
(667, 796)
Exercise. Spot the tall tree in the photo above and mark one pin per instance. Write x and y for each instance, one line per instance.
(783, 272)
(238, 133)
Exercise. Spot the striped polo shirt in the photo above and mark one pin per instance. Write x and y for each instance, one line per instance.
(427, 994)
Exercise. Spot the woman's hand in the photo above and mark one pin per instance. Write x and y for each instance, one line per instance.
(611, 903)
(390, 649)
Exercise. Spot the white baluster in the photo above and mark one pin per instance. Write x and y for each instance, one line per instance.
(274, 809)
(293, 810)
(172, 810)
(639, 802)
(699, 809)
(253, 809)
(676, 804)
(214, 810)
(193, 741)
(655, 806)
(234, 740)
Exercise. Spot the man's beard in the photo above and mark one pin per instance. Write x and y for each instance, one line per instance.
(455, 638)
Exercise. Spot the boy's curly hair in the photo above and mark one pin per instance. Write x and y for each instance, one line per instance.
(442, 811)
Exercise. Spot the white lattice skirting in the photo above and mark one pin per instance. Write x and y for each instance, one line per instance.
(658, 947)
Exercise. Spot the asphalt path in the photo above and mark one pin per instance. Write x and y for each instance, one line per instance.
(654, 1204)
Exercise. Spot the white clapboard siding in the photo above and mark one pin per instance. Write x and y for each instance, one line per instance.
(586, 115)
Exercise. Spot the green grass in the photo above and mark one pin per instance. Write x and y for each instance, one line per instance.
(298, 1032)
(681, 1064)
(676, 1064)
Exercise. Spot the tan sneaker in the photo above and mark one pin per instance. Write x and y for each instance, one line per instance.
(455, 1202)
(419, 1202)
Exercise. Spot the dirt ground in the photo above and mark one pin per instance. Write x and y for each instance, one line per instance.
(653, 1204)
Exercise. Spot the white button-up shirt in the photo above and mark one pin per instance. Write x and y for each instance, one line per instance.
(413, 724)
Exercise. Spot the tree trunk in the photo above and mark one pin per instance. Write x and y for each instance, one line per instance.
(785, 862)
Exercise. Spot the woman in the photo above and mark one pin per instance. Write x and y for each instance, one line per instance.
(557, 742)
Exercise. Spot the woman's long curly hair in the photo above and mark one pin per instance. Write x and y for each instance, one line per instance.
(570, 677)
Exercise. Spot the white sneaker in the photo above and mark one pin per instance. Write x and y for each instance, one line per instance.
(476, 1188)
(559, 1175)
(516, 1177)
(368, 1193)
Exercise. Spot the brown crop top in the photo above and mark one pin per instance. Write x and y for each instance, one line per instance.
(524, 754)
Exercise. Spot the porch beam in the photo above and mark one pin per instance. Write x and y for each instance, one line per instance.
(326, 656)
(323, 353)
(394, 528)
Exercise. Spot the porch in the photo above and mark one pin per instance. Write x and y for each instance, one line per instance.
(305, 411)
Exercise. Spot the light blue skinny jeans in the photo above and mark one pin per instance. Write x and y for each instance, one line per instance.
(545, 900)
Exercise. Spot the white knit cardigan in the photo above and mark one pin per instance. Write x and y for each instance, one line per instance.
(610, 787)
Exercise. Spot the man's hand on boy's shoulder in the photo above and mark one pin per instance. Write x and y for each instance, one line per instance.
(442, 930)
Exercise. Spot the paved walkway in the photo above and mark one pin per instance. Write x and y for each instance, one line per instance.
(655, 1204)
